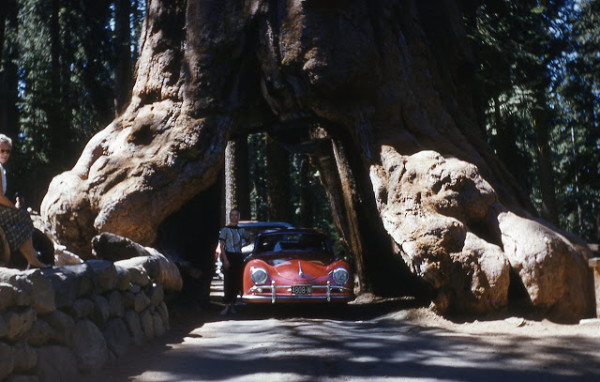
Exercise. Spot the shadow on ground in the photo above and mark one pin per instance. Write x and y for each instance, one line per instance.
(370, 341)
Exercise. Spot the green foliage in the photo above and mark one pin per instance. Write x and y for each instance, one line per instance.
(60, 108)
(545, 56)
(319, 217)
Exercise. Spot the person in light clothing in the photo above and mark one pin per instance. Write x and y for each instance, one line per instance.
(232, 238)
(15, 222)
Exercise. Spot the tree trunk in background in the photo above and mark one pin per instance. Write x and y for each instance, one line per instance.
(3, 12)
(414, 188)
(278, 182)
(9, 113)
(542, 137)
(237, 178)
(123, 69)
(54, 107)
(307, 207)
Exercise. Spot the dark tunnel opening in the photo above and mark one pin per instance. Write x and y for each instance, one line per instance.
(190, 236)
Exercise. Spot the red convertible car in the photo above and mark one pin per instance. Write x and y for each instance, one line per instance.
(295, 265)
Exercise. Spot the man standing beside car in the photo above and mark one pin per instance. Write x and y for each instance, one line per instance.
(232, 238)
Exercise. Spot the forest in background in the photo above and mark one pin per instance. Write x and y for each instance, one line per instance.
(67, 69)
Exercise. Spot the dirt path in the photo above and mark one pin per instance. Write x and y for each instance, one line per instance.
(386, 340)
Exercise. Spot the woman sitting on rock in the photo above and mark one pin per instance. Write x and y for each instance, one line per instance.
(16, 223)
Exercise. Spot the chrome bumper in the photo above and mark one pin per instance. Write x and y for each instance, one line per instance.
(272, 290)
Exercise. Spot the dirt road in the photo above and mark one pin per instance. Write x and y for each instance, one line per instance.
(385, 341)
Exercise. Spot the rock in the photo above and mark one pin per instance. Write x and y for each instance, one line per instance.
(7, 360)
(128, 299)
(135, 327)
(40, 333)
(164, 271)
(63, 326)
(56, 363)
(22, 378)
(82, 308)
(554, 273)
(430, 206)
(3, 327)
(8, 295)
(65, 257)
(156, 294)
(147, 322)
(485, 272)
(32, 287)
(141, 302)
(106, 274)
(123, 278)
(136, 270)
(112, 247)
(19, 323)
(117, 337)
(70, 282)
(25, 357)
(101, 311)
(164, 314)
(89, 346)
(158, 324)
(115, 304)
(43, 300)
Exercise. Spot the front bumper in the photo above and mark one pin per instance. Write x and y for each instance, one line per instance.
(283, 293)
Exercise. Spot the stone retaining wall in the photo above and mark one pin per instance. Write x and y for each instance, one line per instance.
(61, 323)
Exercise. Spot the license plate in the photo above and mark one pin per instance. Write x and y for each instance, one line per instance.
(301, 290)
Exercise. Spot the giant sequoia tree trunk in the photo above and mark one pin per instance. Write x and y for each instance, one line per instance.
(384, 93)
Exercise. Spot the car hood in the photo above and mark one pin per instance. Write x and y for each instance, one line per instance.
(299, 270)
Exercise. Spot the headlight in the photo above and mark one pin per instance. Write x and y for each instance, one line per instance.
(340, 276)
(258, 275)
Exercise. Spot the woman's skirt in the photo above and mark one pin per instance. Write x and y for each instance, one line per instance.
(17, 226)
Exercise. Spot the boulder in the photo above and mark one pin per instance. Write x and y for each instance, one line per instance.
(157, 267)
(117, 337)
(147, 322)
(436, 211)
(115, 304)
(89, 346)
(56, 363)
(483, 268)
(71, 282)
(101, 311)
(32, 287)
(40, 333)
(63, 327)
(25, 357)
(19, 323)
(81, 308)
(553, 271)
(7, 360)
(8, 295)
(106, 274)
(112, 247)
(132, 319)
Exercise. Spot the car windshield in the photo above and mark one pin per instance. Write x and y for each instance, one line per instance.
(254, 230)
(293, 244)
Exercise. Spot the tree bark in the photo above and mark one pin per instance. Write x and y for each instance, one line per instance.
(237, 177)
(415, 191)
(307, 209)
(278, 182)
(541, 128)
(123, 69)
